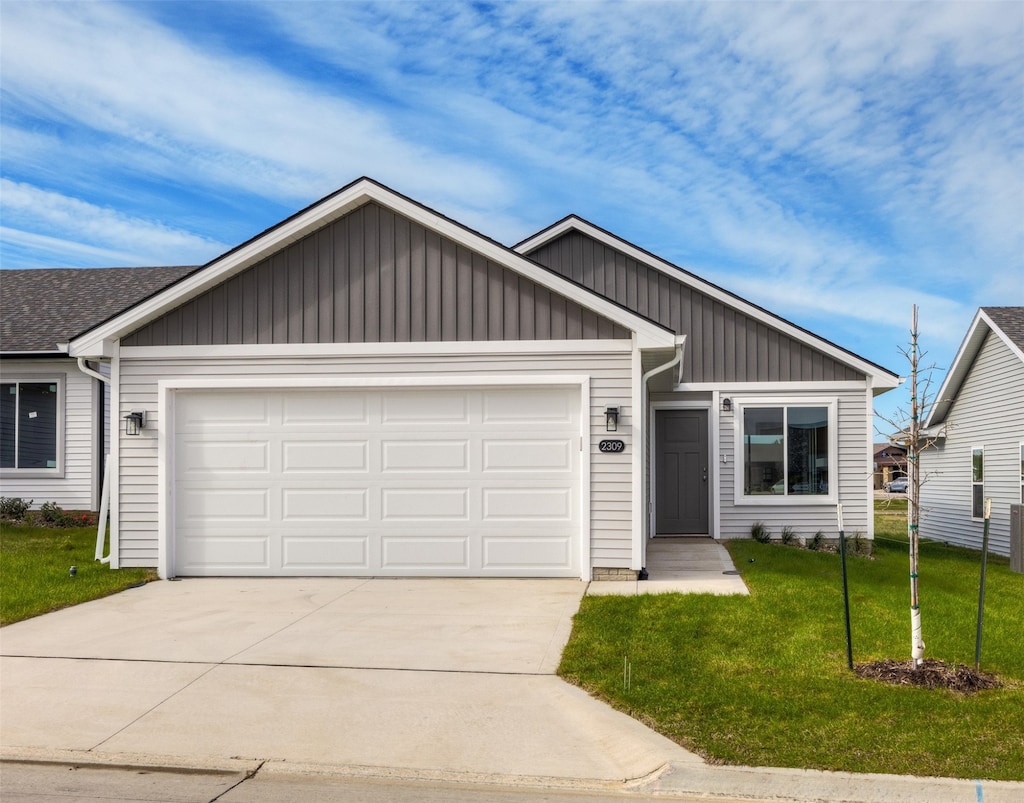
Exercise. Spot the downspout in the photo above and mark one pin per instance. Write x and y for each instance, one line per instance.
(645, 473)
(101, 523)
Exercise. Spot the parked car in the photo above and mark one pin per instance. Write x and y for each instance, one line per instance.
(897, 486)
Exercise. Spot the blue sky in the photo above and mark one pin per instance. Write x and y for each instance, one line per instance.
(832, 162)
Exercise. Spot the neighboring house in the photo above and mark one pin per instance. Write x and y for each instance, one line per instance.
(52, 414)
(370, 388)
(978, 420)
(890, 462)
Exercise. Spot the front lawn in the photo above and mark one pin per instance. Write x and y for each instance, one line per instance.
(762, 680)
(35, 570)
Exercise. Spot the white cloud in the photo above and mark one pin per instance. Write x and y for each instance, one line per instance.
(90, 231)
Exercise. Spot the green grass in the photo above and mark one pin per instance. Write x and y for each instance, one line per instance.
(35, 565)
(762, 680)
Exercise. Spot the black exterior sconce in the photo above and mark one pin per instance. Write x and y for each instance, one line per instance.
(611, 419)
(134, 422)
(727, 405)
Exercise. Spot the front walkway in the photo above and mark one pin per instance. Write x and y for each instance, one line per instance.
(683, 566)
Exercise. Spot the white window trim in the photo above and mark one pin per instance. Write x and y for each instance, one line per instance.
(974, 482)
(58, 379)
(832, 405)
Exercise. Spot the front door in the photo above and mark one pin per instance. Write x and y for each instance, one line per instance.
(681, 472)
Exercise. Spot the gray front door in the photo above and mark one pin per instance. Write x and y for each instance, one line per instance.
(681, 472)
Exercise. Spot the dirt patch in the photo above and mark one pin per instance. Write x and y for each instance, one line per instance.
(931, 674)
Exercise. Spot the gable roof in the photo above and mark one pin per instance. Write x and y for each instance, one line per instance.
(1006, 323)
(42, 307)
(881, 378)
(95, 342)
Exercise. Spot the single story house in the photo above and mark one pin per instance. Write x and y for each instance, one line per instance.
(53, 419)
(890, 461)
(371, 388)
(978, 425)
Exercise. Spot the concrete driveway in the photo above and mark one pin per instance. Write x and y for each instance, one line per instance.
(434, 676)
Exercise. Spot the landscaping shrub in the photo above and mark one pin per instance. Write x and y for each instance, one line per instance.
(54, 515)
(817, 542)
(13, 507)
(788, 535)
(759, 532)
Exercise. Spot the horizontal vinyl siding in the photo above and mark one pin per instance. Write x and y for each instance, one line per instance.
(74, 491)
(611, 479)
(375, 277)
(723, 345)
(854, 469)
(987, 412)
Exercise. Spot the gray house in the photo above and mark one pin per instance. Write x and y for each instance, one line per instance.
(978, 419)
(53, 420)
(370, 388)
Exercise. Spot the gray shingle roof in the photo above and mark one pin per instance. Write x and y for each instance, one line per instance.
(43, 307)
(1010, 320)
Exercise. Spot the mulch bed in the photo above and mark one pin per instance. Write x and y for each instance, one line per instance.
(931, 674)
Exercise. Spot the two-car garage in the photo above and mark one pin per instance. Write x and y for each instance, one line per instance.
(392, 481)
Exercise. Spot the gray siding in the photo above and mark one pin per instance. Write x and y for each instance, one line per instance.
(987, 413)
(610, 474)
(374, 277)
(723, 345)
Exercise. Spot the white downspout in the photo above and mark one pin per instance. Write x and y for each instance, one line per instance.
(645, 472)
(101, 523)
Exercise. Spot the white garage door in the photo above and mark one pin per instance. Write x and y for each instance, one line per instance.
(446, 482)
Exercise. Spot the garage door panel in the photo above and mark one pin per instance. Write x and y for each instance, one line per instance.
(425, 455)
(325, 455)
(322, 408)
(218, 554)
(424, 407)
(528, 455)
(449, 481)
(205, 504)
(197, 456)
(424, 551)
(527, 406)
(425, 504)
(325, 504)
(504, 552)
(206, 411)
(530, 503)
(325, 552)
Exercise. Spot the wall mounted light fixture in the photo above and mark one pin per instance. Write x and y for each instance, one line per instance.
(134, 422)
(611, 419)
(727, 405)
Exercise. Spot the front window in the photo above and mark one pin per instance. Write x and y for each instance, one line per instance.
(28, 425)
(785, 450)
(978, 482)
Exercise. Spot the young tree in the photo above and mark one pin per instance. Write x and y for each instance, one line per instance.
(910, 435)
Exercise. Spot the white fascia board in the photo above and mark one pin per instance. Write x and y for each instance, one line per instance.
(880, 377)
(328, 210)
(487, 348)
(958, 370)
(773, 387)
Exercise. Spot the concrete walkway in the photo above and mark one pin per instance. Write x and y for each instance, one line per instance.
(427, 680)
(683, 566)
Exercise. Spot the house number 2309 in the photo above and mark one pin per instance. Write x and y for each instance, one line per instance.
(612, 446)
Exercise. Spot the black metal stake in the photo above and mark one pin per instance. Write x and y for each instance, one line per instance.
(981, 592)
(846, 589)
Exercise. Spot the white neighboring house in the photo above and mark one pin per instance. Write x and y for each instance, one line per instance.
(978, 419)
(371, 388)
(53, 420)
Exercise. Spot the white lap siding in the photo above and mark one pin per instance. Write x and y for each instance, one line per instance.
(610, 384)
(854, 473)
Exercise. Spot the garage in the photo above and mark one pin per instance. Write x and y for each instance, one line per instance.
(442, 481)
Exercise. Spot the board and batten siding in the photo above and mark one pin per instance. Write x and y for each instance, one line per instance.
(854, 469)
(610, 383)
(987, 412)
(374, 276)
(722, 344)
(76, 489)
